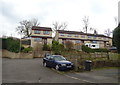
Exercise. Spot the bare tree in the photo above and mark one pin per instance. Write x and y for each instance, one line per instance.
(108, 32)
(94, 31)
(57, 26)
(25, 27)
(86, 23)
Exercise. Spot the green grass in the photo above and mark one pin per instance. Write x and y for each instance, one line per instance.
(106, 68)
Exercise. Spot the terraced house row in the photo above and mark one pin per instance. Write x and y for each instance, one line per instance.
(43, 35)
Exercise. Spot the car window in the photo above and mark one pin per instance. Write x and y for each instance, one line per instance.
(48, 57)
(59, 58)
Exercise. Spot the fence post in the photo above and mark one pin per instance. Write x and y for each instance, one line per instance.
(76, 65)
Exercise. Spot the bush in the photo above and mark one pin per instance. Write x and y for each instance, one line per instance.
(116, 38)
(4, 43)
(46, 47)
(87, 49)
(69, 45)
(101, 50)
(57, 48)
(26, 50)
(13, 45)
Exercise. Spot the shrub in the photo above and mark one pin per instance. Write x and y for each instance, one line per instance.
(26, 50)
(116, 37)
(4, 43)
(46, 47)
(87, 49)
(101, 50)
(13, 45)
(57, 48)
(69, 45)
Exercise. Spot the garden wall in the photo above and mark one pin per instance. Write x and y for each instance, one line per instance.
(8, 54)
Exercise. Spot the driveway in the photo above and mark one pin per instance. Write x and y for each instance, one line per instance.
(32, 71)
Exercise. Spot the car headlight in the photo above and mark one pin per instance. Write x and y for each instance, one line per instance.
(63, 64)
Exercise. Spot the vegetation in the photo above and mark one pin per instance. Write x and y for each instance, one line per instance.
(25, 27)
(69, 45)
(12, 45)
(57, 48)
(46, 47)
(87, 49)
(116, 38)
(57, 26)
(26, 50)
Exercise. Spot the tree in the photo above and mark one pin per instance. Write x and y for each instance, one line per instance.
(86, 23)
(108, 32)
(94, 31)
(57, 26)
(116, 37)
(25, 27)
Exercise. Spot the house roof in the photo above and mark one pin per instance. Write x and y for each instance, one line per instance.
(81, 33)
(41, 28)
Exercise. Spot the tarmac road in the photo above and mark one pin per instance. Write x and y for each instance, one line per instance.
(32, 71)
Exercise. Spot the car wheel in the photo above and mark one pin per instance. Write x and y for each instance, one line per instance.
(44, 64)
(57, 67)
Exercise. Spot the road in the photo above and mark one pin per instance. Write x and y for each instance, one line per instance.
(32, 71)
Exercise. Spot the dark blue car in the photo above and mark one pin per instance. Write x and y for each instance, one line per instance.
(58, 62)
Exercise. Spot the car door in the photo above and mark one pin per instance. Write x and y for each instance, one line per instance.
(51, 61)
(46, 59)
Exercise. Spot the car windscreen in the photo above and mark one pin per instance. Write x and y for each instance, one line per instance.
(59, 58)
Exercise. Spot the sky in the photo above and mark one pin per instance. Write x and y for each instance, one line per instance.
(101, 14)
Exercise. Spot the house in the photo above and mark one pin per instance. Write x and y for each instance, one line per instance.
(80, 38)
(42, 35)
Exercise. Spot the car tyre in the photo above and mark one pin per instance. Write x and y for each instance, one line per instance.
(57, 67)
(44, 64)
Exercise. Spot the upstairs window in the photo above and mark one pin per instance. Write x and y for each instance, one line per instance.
(61, 34)
(76, 35)
(36, 32)
(83, 36)
(69, 35)
(46, 32)
(95, 37)
(89, 36)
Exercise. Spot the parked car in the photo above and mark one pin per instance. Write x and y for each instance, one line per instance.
(58, 62)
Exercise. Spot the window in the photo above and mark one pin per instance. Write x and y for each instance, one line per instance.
(100, 38)
(61, 34)
(78, 41)
(36, 32)
(95, 37)
(38, 39)
(69, 35)
(46, 32)
(83, 36)
(76, 35)
(94, 41)
(89, 36)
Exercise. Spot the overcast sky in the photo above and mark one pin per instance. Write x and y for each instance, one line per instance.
(101, 13)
